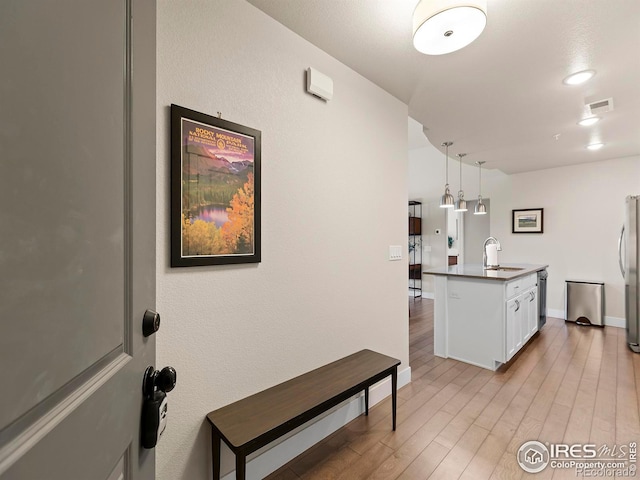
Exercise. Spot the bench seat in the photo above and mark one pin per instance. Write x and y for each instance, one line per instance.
(251, 423)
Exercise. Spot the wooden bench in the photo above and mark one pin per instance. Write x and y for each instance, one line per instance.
(253, 422)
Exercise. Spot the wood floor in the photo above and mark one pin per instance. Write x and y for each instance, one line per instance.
(570, 384)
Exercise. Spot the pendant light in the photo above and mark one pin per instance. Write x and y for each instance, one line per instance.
(481, 208)
(447, 199)
(444, 26)
(461, 203)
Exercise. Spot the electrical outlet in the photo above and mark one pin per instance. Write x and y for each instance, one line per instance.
(395, 252)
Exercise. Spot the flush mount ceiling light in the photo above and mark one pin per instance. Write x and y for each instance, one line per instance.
(579, 78)
(595, 146)
(444, 26)
(461, 203)
(586, 122)
(481, 208)
(447, 199)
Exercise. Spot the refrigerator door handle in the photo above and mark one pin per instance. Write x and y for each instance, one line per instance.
(620, 262)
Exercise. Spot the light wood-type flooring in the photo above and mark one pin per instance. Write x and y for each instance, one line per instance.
(569, 384)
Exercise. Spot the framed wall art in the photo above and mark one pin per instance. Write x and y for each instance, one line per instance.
(215, 190)
(529, 220)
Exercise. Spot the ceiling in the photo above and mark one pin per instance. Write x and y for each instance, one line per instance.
(501, 99)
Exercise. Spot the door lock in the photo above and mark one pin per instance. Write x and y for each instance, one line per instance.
(155, 385)
(150, 323)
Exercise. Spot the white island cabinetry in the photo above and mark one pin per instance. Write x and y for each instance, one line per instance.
(484, 317)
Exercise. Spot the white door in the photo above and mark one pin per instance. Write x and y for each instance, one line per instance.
(77, 236)
(532, 302)
(513, 327)
(525, 299)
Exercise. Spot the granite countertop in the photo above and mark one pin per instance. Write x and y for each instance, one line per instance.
(476, 271)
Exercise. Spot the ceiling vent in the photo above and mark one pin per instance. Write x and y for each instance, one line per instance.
(599, 107)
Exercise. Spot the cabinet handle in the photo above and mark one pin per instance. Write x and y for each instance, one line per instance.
(517, 305)
(533, 296)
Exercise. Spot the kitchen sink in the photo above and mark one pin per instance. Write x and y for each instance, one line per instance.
(505, 269)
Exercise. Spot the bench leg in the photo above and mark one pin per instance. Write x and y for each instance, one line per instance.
(394, 394)
(241, 464)
(215, 449)
(366, 401)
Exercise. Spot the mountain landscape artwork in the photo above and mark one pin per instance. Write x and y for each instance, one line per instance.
(217, 192)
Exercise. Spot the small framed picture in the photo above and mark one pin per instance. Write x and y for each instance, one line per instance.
(215, 190)
(530, 220)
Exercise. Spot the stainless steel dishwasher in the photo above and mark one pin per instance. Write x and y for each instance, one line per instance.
(542, 298)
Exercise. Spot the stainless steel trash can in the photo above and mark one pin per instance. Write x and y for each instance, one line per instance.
(585, 302)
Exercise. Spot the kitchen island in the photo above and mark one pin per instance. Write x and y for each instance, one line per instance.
(484, 316)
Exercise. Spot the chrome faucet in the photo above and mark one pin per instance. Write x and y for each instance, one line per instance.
(484, 251)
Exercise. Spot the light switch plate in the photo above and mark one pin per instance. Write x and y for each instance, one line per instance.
(395, 252)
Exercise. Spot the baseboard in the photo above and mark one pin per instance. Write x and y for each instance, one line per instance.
(555, 313)
(608, 321)
(271, 458)
(424, 294)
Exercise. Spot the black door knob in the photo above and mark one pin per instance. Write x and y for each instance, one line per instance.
(163, 380)
(166, 379)
(150, 322)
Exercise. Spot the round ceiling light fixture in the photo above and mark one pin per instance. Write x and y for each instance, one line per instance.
(579, 78)
(444, 26)
(595, 146)
(587, 122)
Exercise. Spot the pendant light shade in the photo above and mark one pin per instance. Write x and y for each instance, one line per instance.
(461, 203)
(446, 201)
(481, 208)
(444, 26)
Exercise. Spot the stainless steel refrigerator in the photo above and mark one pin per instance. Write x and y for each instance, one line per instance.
(628, 257)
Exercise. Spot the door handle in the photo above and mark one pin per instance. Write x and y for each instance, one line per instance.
(620, 252)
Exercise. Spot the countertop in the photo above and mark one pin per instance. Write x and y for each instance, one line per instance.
(476, 271)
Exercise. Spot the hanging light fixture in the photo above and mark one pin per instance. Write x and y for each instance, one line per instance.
(481, 208)
(461, 203)
(444, 26)
(447, 199)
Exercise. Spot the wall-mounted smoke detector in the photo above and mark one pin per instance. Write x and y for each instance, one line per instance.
(599, 107)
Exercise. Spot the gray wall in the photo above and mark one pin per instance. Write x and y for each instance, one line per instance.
(434, 218)
(476, 231)
(334, 197)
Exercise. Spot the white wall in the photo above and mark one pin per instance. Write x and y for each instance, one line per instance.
(334, 197)
(583, 212)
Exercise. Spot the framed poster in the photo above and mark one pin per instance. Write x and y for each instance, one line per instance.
(215, 190)
(527, 220)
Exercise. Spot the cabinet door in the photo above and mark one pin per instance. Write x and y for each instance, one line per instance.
(526, 313)
(513, 335)
(532, 302)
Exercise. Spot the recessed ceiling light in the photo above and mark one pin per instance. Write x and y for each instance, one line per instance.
(579, 77)
(585, 122)
(595, 146)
